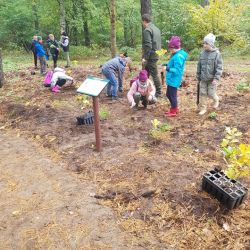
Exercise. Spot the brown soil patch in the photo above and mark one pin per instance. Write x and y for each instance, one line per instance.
(152, 185)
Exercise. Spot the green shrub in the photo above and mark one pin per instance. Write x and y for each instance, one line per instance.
(194, 54)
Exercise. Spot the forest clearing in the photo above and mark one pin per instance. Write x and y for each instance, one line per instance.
(145, 192)
(167, 85)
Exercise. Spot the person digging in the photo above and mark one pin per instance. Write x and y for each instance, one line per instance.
(142, 90)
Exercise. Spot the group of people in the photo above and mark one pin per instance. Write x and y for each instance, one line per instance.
(209, 71)
(52, 48)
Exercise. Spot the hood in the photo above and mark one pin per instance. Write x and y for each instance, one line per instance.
(57, 69)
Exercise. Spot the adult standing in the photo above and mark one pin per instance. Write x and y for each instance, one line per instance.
(64, 42)
(151, 42)
(33, 49)
(53, 48)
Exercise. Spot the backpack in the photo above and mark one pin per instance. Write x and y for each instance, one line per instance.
(48, 78)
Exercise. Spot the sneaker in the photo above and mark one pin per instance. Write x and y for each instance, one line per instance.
(115, 98)
(120, 90)
(56, 89)
(203, 111)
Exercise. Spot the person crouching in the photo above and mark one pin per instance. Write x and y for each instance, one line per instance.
(59, 78)
(142, 90)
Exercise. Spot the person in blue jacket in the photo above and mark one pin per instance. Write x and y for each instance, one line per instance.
(41, 54)
(110, 69)
(175, 69)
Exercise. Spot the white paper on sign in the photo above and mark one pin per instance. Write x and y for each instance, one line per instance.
(92, 86)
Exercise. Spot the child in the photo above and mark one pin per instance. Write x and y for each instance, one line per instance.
(209, 71)
(40, 52)
(65, 46)
(33, 49)
(143, 90)
(53, 48)
(174, 70)
(110, 69)
(59, 78)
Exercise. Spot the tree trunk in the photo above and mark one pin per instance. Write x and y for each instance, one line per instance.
(146, 7)
(86, 33)
(62, 16)
(125, 31)
(113, 27)
(204, 3)
(1, 70)
(35, 14)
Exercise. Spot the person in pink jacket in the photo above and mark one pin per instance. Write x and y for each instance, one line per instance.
(142, 90)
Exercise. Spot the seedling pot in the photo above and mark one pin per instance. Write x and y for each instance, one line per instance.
(86, 119)
(230, 193)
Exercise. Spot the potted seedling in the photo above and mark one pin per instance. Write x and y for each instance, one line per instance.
(223, 184)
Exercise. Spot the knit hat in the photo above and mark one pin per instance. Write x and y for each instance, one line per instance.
(143, 75)
(209, 39)
(175, 42)
(39, 38)
(64, 33)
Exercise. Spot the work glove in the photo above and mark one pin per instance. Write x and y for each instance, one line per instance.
(144, 61)
(167, 68)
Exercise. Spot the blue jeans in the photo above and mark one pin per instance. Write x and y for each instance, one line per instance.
(112, 86)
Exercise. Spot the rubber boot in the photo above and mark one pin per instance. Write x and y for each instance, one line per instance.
(172, 112)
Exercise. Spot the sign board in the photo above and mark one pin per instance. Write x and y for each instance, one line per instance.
(92, 86)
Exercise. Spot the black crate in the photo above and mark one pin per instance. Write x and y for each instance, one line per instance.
(230, 193)
(86, 119)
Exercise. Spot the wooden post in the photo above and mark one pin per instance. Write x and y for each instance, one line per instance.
(1, 70)
(97, 123)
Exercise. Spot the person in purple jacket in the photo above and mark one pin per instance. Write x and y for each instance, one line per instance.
(41, 54)
(110, 69)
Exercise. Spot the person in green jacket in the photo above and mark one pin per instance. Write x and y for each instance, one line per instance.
(209, 71)
(151, 42)
(53, 48)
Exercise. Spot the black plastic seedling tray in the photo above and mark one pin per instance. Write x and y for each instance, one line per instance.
(230, 193)
(86, 119)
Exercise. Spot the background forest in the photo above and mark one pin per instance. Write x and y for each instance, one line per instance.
(88, 23)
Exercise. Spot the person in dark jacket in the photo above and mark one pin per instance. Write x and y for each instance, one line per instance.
(53, 48)
(110, 69)
(64, 42)
(151, 42)
(33, 49)
(41, 54)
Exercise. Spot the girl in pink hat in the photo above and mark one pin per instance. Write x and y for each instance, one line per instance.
(174, 70)
(142, 90)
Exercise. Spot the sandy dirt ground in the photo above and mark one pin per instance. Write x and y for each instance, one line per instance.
(140, 192)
